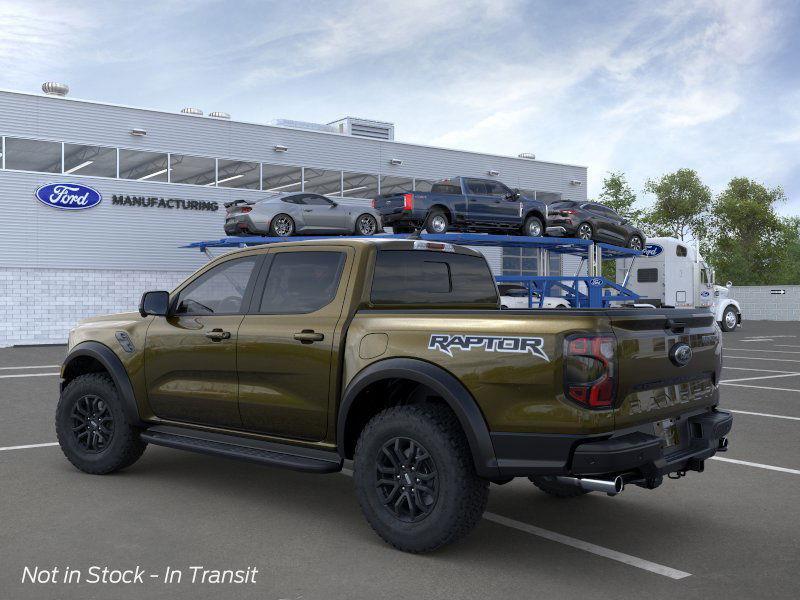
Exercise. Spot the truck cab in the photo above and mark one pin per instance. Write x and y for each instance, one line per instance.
(670, 272)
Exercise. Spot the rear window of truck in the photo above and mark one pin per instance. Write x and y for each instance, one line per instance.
(431, 277)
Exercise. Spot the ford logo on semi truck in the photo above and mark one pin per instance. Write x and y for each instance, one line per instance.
(652, 250)
(68, 196)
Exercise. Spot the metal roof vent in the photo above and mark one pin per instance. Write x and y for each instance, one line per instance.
(527, 155)
(219, 115)
(51, 88)
(192, 111)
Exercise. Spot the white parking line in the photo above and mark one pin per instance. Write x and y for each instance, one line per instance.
(759, 465)
(786, 346)
(30, 367)
(792, 360)
(634, 561)
(759, 387)
(758, 350)
(29, 446)
(30, 375)
(747, 412)
(752, 369)
(760, 377)
(579, 544)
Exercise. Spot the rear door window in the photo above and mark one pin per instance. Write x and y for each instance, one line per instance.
(430, 277)
(301, 282)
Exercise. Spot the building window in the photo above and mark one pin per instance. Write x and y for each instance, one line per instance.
(423, 185)
(396, 185)
(143, 166)
(194, 170)
(33, 155)
(321, 181)
(280, 178)
(520, 261)
(237, 174)
(96, 161)
(360, 185)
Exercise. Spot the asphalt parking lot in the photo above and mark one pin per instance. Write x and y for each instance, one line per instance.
(732, 531)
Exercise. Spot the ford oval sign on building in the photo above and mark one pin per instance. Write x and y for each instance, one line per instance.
(68, 196)
(652, 250)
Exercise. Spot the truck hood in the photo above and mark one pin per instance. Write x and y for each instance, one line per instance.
(113, 320)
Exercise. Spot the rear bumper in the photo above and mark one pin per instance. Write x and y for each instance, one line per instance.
(635, 453)
(399, 216)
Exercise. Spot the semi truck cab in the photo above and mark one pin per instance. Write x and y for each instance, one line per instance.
(670, 272)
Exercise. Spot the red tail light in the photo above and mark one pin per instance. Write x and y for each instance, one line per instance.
(408, 201)
(590, 376)
(246, 209)
(568, 212)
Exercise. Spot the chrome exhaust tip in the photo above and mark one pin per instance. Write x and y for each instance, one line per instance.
(612, 487)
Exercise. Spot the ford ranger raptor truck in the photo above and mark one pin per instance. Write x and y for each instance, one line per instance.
(394, 354)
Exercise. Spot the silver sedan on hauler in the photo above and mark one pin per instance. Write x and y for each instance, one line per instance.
(300, 213)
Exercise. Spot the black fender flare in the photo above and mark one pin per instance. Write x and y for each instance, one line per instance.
(445, 385)
(113, 365)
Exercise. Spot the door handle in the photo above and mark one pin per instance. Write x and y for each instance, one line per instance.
(217, 335)
(309, 336)
(308, 210)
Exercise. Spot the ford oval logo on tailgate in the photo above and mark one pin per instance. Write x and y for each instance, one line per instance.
(680, 354)
(68, 196)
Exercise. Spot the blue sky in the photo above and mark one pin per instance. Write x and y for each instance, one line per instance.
(644, 87)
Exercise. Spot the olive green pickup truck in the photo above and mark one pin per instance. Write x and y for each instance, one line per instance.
(395, 354)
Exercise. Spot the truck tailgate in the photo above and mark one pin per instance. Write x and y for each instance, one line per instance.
(653, 385)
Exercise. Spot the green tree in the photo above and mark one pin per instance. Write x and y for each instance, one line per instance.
(749, 243)
(681, 205)
(618, 195)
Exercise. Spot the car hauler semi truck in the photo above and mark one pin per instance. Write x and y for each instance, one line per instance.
(672, 273)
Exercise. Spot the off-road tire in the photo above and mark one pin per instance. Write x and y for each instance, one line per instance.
(530, 223)
(723, 324)
(461, 497)
(124, 446)
(434, 214)
(560, 490)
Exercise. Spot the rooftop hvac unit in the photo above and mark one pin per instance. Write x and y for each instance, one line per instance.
(377, 130)
(219, 115)
(303, 125)
(192, 111)
(51, 88)
(527, 155)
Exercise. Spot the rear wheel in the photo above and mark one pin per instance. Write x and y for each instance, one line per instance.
(93, 430)
(730, 319)
(635, 243)
(415, 480)
(533, 227)
(281, 226)
(549, 485)
(436, 222)
(584, 231)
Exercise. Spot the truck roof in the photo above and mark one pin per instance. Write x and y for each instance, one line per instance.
(383, 243)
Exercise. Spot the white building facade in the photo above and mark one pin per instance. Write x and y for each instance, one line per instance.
(163, 179)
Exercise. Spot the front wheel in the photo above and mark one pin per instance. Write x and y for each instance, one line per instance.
(281, 226)
(93, 430)
(730, 319)
(533, 227)
(366, 225)
(415, 480)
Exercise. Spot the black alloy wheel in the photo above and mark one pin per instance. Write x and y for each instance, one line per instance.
(92, 423)
(406, 479)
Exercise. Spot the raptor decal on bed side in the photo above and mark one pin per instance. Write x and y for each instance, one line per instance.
(445, 342)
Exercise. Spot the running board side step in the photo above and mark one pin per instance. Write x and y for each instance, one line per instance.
(272, 454)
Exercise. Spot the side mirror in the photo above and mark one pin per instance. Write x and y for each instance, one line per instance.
(334, 204)
(729, 285)
(154, 303)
